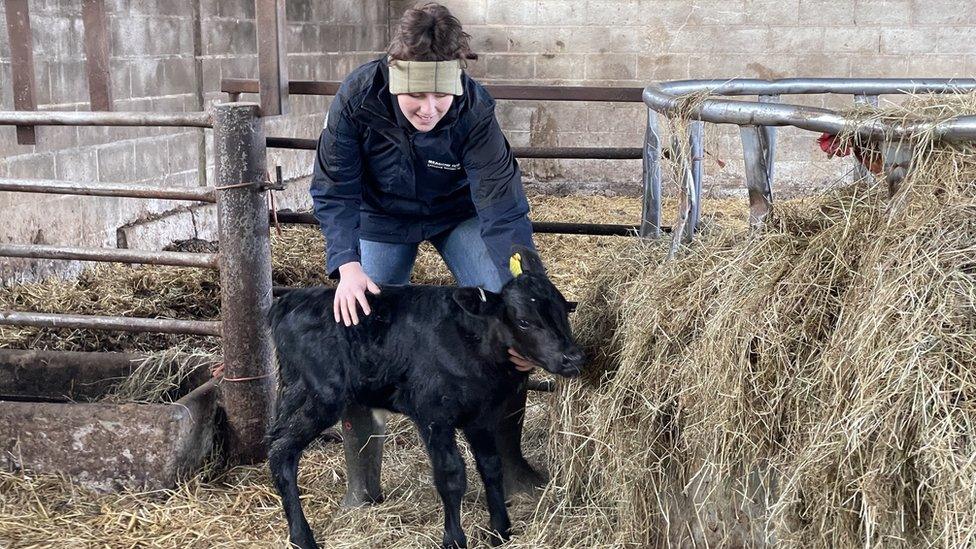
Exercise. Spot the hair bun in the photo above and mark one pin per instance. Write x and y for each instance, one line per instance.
(430, 33)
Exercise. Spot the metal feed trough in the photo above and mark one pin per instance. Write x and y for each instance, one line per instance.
(757, 121)
(106, 446)
(103, 446)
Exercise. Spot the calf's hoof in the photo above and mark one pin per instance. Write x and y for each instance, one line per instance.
(461, 543)
(303, 540)
(361, 498)
(497, 538)
(522, 479)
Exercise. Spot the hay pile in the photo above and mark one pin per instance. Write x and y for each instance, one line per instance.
(810, 386)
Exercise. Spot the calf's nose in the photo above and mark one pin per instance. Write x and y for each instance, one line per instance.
(573, 360)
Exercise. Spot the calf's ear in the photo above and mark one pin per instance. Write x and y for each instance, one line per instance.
(477, 302)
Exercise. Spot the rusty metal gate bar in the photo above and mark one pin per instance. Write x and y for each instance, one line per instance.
(120, 118)
(177, 259)
(591, 229)
(757, 120)
(119, 323)
(121, 190)
(585, 153)
(97, 39)
(269, 19)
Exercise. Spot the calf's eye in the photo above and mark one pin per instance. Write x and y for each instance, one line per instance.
(523, 324)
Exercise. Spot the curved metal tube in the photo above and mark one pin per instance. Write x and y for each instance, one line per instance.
(724, 111)
(756, 119)
(844, 86)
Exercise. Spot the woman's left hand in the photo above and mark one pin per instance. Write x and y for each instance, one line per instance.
(522, 363)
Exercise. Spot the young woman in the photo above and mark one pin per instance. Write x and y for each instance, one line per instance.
(412, 151)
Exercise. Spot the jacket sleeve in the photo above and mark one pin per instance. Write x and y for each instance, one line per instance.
(496, 189)
(337, 187)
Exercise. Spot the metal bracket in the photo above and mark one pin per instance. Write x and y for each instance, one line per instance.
(268, 184)
(274, 185)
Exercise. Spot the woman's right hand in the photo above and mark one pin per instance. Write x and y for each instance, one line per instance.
(352, 287)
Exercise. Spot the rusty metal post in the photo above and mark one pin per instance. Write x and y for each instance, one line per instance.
(651, 205)
(247, 391)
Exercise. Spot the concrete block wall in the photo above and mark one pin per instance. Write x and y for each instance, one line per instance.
(166, 55)
(170, 55)
(633, 42)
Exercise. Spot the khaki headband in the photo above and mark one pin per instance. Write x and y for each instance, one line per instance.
(425, 77)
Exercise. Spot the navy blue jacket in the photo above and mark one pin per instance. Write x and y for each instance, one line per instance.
(379, 179)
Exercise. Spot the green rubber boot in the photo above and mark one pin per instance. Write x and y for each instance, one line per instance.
(518, 476)
(362, 440)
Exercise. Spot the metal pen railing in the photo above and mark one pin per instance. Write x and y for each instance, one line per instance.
(234, 87)
(757, 121)
(244, 259)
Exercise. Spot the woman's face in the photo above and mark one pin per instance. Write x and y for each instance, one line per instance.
(424, 110)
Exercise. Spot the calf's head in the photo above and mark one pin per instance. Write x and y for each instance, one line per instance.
(529, 315)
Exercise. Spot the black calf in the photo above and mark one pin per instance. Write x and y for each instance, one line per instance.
(436, 354)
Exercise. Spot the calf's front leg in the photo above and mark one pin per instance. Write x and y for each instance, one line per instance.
(449, 477)
(299, 418)
(489, 463)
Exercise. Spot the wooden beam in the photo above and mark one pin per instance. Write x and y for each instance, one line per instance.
(97, 54)
(538, 93)
(21, 64)
(272, 56)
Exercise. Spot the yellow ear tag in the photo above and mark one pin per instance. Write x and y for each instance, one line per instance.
(515, 264)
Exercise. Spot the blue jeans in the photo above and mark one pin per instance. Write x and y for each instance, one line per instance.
(462, 248)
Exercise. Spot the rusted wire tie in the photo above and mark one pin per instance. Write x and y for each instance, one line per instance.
(272, 204)
(266, 185)
(235, 186)
(237, 379)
